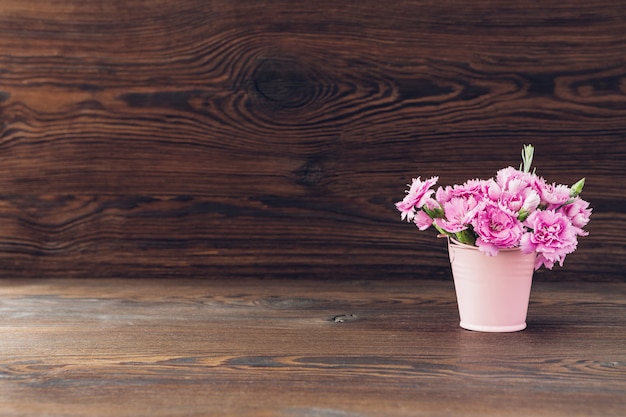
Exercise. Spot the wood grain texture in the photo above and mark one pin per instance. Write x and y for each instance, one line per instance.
(302, 348)
(202, 138)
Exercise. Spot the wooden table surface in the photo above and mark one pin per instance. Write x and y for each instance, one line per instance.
(303, 348)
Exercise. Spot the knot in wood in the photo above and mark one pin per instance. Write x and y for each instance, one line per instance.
(343, 318)
(284, 82)
(310, 173)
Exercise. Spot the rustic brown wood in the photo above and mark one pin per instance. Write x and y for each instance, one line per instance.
(195, 138)
(301, 348)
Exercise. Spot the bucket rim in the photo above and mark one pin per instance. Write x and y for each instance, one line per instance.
(452, 241)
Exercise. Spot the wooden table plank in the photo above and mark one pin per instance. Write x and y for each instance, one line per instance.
(303, 348)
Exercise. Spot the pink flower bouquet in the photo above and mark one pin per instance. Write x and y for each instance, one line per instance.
(516, 209)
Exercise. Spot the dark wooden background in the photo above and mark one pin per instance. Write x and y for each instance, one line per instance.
(195, 138)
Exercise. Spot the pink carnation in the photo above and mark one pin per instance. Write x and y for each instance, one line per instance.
(551, 235)
(518, 191)
(422, 220)
(517, 198)
(553, 195)
(511, 178)
(459, 213)
(417, 195)
(471, 188)
(578, 212)
(496, 229)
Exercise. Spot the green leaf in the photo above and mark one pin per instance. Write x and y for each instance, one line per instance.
(434, 213)
(465, 236)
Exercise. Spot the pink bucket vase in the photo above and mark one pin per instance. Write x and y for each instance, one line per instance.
(492, 291)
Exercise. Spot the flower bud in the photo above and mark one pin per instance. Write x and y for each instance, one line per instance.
(522, 215)
(527, 158)
(577, 188)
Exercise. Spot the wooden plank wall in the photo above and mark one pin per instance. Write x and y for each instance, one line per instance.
(195, 138)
